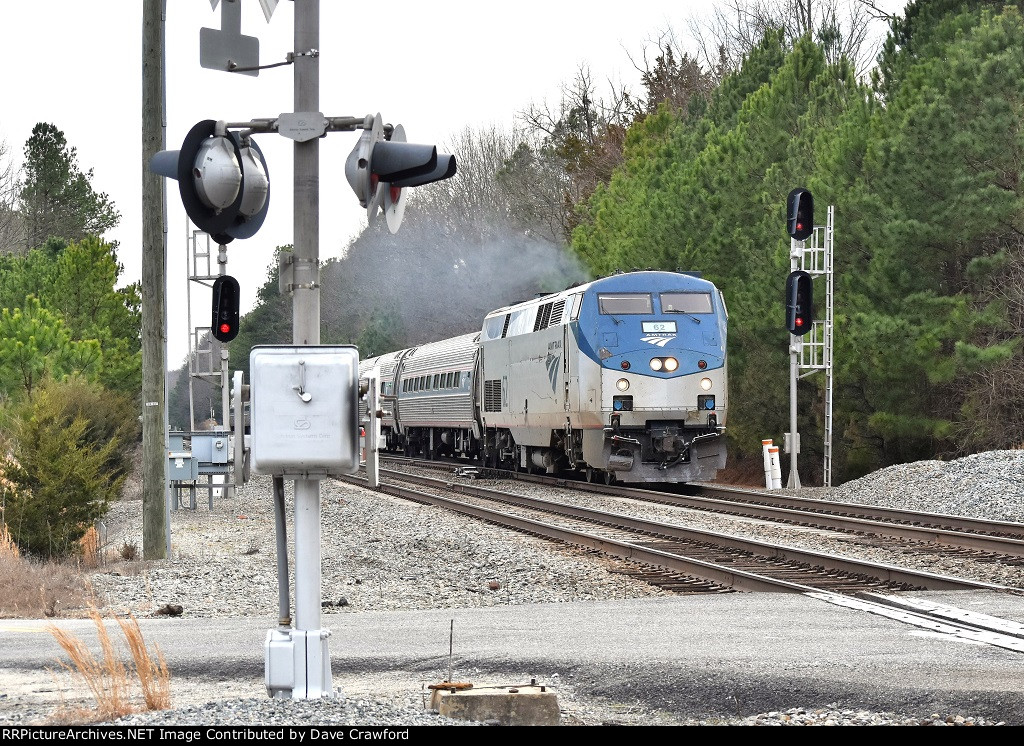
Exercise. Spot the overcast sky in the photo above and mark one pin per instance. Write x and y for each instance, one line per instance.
(435, 67)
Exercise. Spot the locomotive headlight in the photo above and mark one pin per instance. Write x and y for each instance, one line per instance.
(656, 363)
(705, 383)
(671, 364)
(622, 384)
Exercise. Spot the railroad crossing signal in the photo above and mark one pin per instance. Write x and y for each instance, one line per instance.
(380, 167)
(222, 178)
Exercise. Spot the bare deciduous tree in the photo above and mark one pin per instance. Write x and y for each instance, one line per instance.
(674, 77)
(11, 224)
(578, 144)
(844, 29)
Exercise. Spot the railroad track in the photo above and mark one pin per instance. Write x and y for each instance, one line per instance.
(993, 541)
(677, 558)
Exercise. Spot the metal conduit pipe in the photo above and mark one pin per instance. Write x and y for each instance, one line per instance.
(283, 599)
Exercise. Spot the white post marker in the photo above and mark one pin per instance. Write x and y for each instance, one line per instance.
(776, 468)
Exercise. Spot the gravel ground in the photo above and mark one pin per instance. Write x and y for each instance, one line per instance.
(381, 553)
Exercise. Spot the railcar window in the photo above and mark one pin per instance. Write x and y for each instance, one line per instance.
(686, 303)
(624, 303)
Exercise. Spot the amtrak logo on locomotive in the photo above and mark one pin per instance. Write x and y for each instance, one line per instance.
(552, 361)
(657, 341)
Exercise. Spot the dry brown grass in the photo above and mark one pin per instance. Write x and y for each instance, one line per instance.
(154, 678)
(32, 590)
(7, 546)
(89, 546)
(108, 678)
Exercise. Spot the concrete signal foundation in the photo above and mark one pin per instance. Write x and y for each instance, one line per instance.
(507, 705)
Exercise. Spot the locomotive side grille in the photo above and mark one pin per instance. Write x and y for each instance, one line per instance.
(556, 313)
(543, 316)
(492, 395)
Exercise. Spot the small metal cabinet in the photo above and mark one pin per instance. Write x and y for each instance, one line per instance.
(211, 448)
(182, 466)
(304, 410)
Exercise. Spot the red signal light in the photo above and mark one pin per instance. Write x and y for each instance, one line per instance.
(799, 302)
(225, 308)
(800, 214)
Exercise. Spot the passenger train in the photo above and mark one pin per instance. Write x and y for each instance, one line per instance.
(620, 379)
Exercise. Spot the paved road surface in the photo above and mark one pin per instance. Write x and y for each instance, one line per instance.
(693, 656)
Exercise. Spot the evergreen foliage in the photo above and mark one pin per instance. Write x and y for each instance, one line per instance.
(57, 198)
(924, 170)
(70, 355)
(922, 164)
(35, 345)
(75, 285)
(67, 464)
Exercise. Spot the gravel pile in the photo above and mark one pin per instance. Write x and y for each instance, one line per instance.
(381, 553)
(986, 485)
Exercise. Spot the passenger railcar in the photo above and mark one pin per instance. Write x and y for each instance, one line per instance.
(621, 378)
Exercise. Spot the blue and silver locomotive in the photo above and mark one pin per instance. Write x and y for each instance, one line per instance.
(623, 378)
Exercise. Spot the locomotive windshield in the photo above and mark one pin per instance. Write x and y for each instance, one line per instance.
(624, 303)
(686, 303)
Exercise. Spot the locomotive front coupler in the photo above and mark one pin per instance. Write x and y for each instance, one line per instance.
(681, 458)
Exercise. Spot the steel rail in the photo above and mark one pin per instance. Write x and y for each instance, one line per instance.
(977, 536)
(887, 573)
(733, 577)
(727, 577)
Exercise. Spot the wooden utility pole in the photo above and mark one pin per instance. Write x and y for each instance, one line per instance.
(155, 540)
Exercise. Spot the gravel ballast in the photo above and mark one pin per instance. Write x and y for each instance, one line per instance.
(385, 554)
